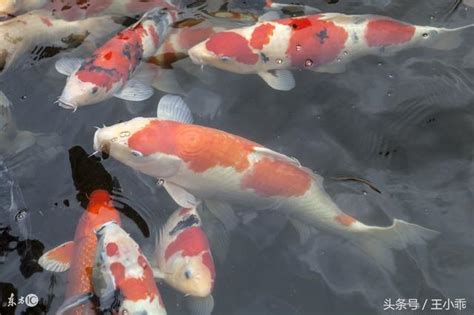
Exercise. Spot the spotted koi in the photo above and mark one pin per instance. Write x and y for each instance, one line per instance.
(197, 163)
(322, 43)
(109, 71)
(121, 270)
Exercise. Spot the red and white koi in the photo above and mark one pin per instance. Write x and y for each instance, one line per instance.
(196, 163)
(78, 10)
(183, 255)
(38, 35)
(110, 70)
(78, 256)
(121, 269)
(323, 43)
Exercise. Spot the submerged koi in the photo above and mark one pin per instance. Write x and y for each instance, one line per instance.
(322, 43)
(184, 259)
(198, 163)
(78, 10)
(39, 35)
(122, 274)
(109, 71)
(78, 256)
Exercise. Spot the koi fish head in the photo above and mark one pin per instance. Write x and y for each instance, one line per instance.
(134, 143)
(227, 50)
(78, 93)
(191, 276)
(12, 7)
(99, 211)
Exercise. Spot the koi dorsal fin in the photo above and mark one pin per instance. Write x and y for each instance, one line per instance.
(173, 107)
(58, 259)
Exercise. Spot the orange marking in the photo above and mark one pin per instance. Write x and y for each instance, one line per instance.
(261, 35)
(383, 32)
(345, 219)
(200, 147)
(111, 249)
(277, 178)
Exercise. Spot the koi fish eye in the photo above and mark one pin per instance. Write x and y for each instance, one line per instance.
(224, 58)
(136, 153)
(188, 274)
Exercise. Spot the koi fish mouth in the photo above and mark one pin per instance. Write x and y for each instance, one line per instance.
(66, 105)
(98, 145)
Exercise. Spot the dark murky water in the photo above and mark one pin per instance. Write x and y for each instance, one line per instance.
(406, 123)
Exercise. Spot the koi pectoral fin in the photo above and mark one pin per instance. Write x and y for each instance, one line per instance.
(73, 302)
(173, 107)
(158, 274)
(281, 80)
(180, 195)
(134, 90)
(57, 259)
(200, 305)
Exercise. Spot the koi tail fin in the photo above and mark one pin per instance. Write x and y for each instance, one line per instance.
(448, 39)
(378, 242)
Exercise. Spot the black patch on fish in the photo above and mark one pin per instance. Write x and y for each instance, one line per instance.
(355, 37)
(322, 35)
(125, 20)
(265, 59)
(184, 224)
(3, 59)
(95, 89)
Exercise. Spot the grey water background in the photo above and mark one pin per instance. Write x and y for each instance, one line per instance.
(406, 123)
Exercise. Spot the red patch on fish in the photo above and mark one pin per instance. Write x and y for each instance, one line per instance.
(114, 61)
(269, 178)
(135, 289)
(345, 219)
(191, 242)
(261, 35)
(314, 41)
(46, 21)
(200, 147)
(111, 249)
(209, 263)
(384, 32)
(190, 37)
(232, 45)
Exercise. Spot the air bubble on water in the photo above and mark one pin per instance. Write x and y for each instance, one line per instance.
(160, 182)
(114, 139)
(279, 61)
(432, 17)
(345, 53)
(298, 47)
(389, 93)
(390, 76)
(379, 64)
(23, 97)
(425, 35)
(124, 312)
(338, 59)
(21, 215)
(308, 63)
(124, 134)
(365, 193)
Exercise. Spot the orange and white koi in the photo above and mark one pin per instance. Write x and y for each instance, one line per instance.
(122, 274)
(78, 256)
(109, 71)
(38, 35)
(78, 10)
(184, 259)
(322, 43)
(196, 163)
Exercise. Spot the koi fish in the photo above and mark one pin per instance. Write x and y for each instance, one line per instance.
(321, 43)
(122, 274)
(78, 256)
(109, 71)
(197, 163)
(12, 140)
(73, 10)
(184, 259)
(38, 35)
(259, 6)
